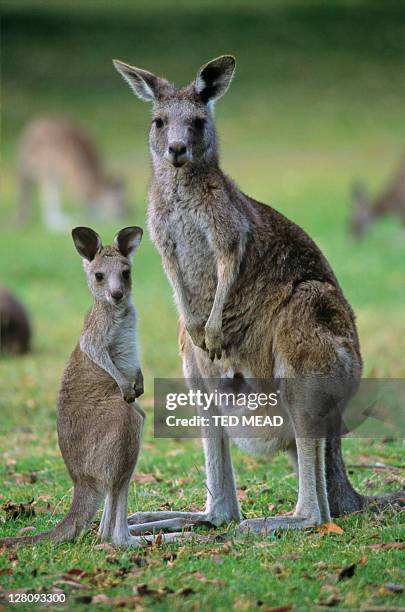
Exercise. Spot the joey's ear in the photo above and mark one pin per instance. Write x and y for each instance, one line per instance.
(214, 78)
(87, 242)
(144, 84)
(127, 240)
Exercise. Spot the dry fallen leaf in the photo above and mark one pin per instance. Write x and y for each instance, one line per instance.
(386, 546)
(328, 528)
(201, 578)
(14, 511)
(139, 477)
(119, 601)
(25, 530)
(144, 590)
(242, 494)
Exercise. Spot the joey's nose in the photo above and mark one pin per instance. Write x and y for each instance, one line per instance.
(117, 295)
(177, 149)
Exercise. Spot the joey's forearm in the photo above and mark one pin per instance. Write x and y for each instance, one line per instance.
(100, 356)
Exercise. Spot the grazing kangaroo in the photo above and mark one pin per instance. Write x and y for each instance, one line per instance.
(15, 328)
(256, 299)
(99, 422)
(58, 155)
(391, 201)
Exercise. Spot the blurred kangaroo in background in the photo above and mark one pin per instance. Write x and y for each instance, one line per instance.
(59, 156)
(256, 299)
(15, 328)
(99, 423)
(365, 210)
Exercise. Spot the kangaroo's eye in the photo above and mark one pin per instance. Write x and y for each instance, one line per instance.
(126, 274)
(99, 276)
(158, 122)
(199, 123)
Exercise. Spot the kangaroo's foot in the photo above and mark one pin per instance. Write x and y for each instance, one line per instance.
(171, 521)
(160, 538)
(269, 524)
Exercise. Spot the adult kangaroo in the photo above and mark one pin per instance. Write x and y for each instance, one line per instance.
(256, 300)
(365, 209)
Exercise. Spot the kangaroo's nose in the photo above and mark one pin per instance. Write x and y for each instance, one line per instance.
(177, 148)
(117, 295)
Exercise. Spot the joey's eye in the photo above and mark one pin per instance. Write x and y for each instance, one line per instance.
(99, 276)
(199, 123)
(158, 122)
(126, 274)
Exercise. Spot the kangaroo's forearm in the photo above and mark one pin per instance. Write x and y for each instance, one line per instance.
(100, 356)
(227, 270)
(173, 272)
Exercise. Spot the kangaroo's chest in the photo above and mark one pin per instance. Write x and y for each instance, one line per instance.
(182, 235)
(123, 346)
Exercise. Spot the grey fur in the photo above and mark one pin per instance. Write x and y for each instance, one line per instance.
(256, 299)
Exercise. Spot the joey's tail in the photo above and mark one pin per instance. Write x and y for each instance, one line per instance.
(84, 506)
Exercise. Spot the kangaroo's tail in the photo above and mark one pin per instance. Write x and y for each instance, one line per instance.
(343, 498)
(84, 506)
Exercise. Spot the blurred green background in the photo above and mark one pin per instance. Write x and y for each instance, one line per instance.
(317, 102)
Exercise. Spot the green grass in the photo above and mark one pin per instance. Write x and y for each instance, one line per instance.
(317, 102)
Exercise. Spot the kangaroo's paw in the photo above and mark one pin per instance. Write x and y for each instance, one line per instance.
(213, 341)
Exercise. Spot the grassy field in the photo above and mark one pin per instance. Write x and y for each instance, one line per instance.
(316, 103)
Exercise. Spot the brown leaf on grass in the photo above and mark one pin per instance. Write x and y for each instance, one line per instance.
(25, 530)
(29, 478)
(347, 572)
(330, 601)
(242, 494)
(14, 511)
(328, 528)
(241, 604)
(139, 477)
(119, 601)
(6, 571)
(201, 578)
(286, 608)
(73, 584)
(105, 546)
(291, 557)
(387, 546)
(185, 592)
(79, 573)
(144, 590)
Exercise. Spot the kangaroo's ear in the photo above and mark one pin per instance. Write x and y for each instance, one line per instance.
(127, 240)
(214, 78)
(144, 84)
(87, 242)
